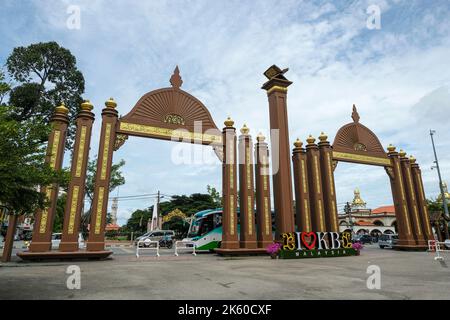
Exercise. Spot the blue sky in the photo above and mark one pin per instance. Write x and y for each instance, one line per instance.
(398, 76)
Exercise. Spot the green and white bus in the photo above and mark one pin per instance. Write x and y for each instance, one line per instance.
(206, 229)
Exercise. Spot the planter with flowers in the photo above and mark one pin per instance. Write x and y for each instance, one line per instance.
(357, 246)
(274, 250)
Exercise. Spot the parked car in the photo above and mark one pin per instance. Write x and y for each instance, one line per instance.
(56, 240)
(387, 240)
(155, 235)
(365, 238)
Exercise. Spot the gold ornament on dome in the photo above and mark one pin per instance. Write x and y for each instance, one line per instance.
(174, 119)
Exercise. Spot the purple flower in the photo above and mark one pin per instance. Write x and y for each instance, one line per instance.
(273, 248)
(357, 246)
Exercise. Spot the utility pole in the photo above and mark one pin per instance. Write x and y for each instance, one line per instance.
(157, 217)
(348, 211)
(441, 186)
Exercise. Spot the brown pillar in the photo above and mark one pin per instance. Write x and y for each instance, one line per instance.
(281, 166)
(263, 206)
(75, 194)
(246, 191)
(315, 186)
(9, 240)
(229, 188)
(421, 199)
(406, 239)
(302, 205)
(96, 240)
(411, 199)
(328, 187)
(43, 219)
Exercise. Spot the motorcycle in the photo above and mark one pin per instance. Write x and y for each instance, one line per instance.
(166, 242)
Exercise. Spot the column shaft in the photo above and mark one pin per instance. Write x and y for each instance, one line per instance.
(44, 219)
(412, 201)
(315, 187)
(405, 235)
(229, 189)
(302, 205)
(328, 187)
(246, 192)
(421, 200)
(96, 240)
(263, 206)
(76, 191)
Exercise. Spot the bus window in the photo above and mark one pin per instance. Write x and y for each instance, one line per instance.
(207, 224)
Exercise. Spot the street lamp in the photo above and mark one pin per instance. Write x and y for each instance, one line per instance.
(441, 186)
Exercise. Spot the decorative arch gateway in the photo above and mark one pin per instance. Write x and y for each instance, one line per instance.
(167, 114)
(356, 143)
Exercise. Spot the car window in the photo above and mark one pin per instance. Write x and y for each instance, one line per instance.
(157, 234)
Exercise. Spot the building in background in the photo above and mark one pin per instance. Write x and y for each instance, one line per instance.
(368, 221)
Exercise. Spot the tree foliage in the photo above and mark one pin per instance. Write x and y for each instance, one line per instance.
(45, 75)
(22, 167)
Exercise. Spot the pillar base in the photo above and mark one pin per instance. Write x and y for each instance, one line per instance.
(422, 243)
(248, 244)
(264, 244)
(68, 246)
(230, 245)
(63, 256)
(40, 246)
(95, 246)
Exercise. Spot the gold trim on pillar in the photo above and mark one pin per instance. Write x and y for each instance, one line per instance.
(322, 226)
(307, 214)
(267, 215)
(55, 148)
(249, 175)
(98, 220)
(316, 167)
(73, 208)
(44, 214)
(277, 88)
(361, 158)
(330, 174)
(250, 215)
(231, 214)
(305, 188)
(80, 154)
(105, 151)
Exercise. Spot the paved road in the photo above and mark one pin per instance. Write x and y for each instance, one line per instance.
(404, 275)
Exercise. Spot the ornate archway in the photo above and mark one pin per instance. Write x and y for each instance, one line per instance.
(356, 143)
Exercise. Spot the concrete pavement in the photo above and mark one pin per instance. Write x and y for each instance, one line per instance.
(404, 275)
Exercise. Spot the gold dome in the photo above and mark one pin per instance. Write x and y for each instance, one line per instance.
(358, 202)
(298, 143)
(229, 123)
(391, 148)
(87, 106)
(310, 139)
(62, 109)
(446, 194)
(412, 159)
(402, 153)
(323, 137)
(260, 137)
(111, 103)
(245, 130)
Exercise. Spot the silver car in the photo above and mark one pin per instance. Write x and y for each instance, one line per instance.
(387, 240)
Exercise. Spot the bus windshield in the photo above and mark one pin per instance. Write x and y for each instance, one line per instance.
(201, 226)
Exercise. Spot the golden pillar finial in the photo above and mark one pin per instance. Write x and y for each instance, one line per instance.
(323, 137)
(298, 143)
(111, 103)
(62, 109)
(245, 130)
(402, 153)
(87, 106)
(412, 159)
(391, 148)
(260, 137)
(229, 123)
(310, 139)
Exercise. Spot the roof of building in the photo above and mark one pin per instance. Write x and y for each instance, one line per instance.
(112, 226)
(384, 209)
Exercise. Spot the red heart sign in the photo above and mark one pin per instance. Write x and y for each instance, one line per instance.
(313, 238)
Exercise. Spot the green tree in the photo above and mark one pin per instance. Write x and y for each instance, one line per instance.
(117, 179)
(46, 75)
(215, 195)
(22, 167)
(4, 87)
